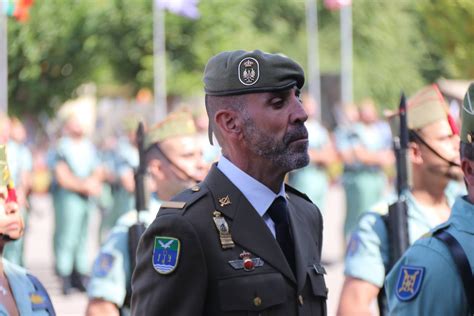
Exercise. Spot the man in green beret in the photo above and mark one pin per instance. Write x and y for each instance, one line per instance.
(174, 162)
(434, 276)
(241, 242)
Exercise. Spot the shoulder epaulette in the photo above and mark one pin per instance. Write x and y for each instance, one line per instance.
(298, 193)
(185, 199)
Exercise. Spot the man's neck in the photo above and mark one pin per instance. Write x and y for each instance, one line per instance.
(262, 171)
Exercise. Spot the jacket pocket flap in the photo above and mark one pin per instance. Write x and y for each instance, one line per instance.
(255, 292)
(317, 283)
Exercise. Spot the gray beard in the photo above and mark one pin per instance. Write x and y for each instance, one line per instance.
(279, 152)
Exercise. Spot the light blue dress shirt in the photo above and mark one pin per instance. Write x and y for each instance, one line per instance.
(22, 288)
(368, 251)
(258, 195)
(439, 289)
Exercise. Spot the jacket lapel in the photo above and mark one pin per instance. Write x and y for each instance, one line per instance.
(247, 228)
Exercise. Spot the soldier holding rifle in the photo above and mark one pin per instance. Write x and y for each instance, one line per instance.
(172, 159)
(434, 160)
(434, 276)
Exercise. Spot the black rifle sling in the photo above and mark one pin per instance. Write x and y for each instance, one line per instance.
(462, 263)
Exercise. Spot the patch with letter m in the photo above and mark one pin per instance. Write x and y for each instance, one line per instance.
(409, 282)
(166, 254)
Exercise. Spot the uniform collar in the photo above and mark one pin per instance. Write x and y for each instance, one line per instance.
(259, 195)
(424, 213)
(462, 215)
(16, 278)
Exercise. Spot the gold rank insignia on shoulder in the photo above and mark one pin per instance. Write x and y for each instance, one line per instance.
(224, 201)
(223, 229)
(173, 204)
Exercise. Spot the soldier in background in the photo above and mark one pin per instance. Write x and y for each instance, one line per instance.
(78, 176)
(365, 152)
(433, 146)
(21, 165)
(122, 163)
(313, 179)
(434, 276)
(174, 162)
(20, 292)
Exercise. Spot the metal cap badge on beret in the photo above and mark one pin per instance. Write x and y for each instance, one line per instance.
(467, 116)
(425, 107)
(241, 72)
(176, 124)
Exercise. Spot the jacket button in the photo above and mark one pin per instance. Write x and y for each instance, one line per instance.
(257, 301)
(300, 299)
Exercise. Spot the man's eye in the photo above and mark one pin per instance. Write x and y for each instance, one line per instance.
(277, 102)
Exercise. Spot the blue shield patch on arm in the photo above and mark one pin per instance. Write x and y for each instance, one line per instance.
(102, 265)
(409, 282)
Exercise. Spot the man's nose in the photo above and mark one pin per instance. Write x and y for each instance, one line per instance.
(299, 113)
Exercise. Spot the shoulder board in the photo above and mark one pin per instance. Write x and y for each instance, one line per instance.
(184, 199)
(173, 204)
(290, 189)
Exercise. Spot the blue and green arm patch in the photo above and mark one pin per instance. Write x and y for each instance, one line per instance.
(166, 252)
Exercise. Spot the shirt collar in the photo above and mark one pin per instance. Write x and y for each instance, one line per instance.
(259, 195)
(462, 215)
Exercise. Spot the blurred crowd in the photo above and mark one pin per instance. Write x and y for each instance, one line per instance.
(86, 167)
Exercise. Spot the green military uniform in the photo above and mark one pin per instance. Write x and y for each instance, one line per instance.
(207, 282)
(123, 160)
(72, 210)
(215, 244)
(426, 280)
(313, 179)
(363, 184)
(19, 160)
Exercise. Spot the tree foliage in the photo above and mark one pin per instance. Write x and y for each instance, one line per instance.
(67, 43)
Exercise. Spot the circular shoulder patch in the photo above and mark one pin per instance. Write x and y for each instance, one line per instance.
(249, 71)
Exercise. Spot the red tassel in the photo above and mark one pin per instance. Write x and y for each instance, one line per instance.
(12, 195)
(453, 125)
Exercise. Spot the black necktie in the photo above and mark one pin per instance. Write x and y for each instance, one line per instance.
(278, 212)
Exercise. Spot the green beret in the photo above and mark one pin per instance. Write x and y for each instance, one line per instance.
(176, 124)
(240, 72)
(423, 108)
(467, 116)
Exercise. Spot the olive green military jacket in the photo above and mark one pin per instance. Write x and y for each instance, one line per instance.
(199, 277)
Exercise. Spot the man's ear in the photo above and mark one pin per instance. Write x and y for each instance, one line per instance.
(229, 122)
(415, 153)
(467, 167)
(155, 167)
